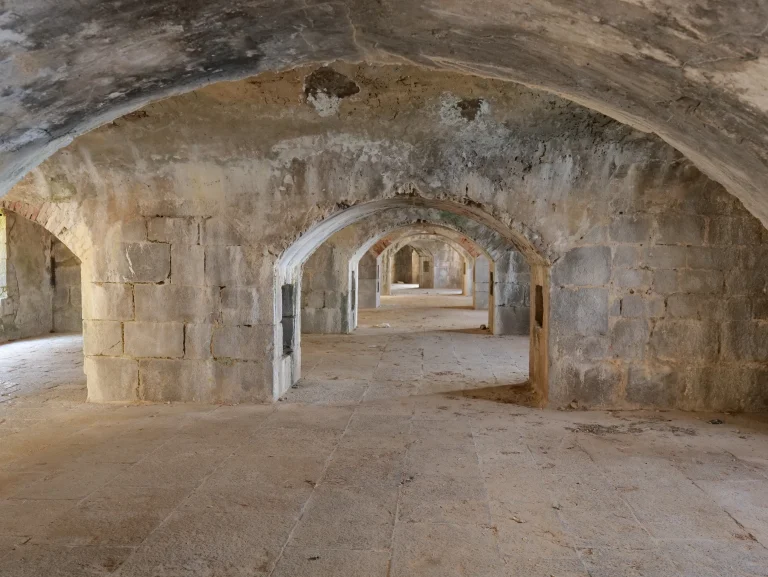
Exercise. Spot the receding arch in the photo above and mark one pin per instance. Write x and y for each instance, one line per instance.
(493, 238)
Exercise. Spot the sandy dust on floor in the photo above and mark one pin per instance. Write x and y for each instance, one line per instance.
(392, 475)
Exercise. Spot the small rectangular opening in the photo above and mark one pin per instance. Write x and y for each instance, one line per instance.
(539, 306)
(426, 266)
(288, 321)
(490, 283)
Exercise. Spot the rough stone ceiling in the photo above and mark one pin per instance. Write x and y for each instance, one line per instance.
(694, 72)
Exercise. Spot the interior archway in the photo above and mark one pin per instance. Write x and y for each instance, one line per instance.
(488, 241)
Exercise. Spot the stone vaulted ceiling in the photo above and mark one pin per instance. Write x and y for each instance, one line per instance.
(694, 72)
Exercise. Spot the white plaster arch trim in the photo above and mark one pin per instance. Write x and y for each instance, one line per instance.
(289, 263)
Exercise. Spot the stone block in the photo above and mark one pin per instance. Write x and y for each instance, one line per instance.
(668, 257)
(629, 338)
(138, 262)
(173, 230)
(682, 229)
(171, 380)
(593, 384)
(745, 282)
(511, 294)
(665, 281)
(147, 339)
(685, 340)
(683, 306)
(67, 276)
(700, 281)
(626, 257)
(745, 341)
(637, 228)
(102, 338)
(512, 321)
(219, 231)
(226, 266)
(108, 301)
(164, 303)
(633, 306)
(188, 265)
(735, 231)
(313, 299)
(581, 348)
(652, 385)
(333, 299)
(112, 379)
(243, 343)
(240, 306)
(583, 266)
(632, 278)
(715, 258)
(582, 311)
(197, 341)
(722, 387)
(210, 381)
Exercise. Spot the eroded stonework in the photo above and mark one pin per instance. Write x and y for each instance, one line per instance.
(652, 274)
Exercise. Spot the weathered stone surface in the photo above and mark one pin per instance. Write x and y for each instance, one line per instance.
(188, 265)
(173, 303)
(581, 311)
(241, 342)
(173, 230)
(197, 341)
(108, 301)
(636, 229)
(690, 339)
(102, 338)
(241, 306)
(583, 266)
(629, 338)
(118, 379)
(164, 340)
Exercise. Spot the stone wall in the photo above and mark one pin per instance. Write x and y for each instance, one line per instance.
(668, 309)
(446, 267)
(481, 277)
(406, 267)
(173, 311)
(67, 298)
(323, 301)
(510, 300)
(369, 289)
(565, 185)
(42, 282)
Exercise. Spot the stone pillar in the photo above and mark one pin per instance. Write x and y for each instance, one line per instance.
(467, 287)
(481, 277)
(426, 276)
(511, 295)
(176, 309)
(386, 270)
(368, 282)
(326, 300)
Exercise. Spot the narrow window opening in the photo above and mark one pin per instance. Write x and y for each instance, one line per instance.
(426, 266)
(354, 291)
(288, 320)
(490, 283)
(539, 306)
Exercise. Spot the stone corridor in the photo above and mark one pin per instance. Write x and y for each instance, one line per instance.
(376, 465)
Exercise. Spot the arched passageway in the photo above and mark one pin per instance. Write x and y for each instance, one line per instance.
(415, 337)
(41, 318)
(343, 238)
(643, 262)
